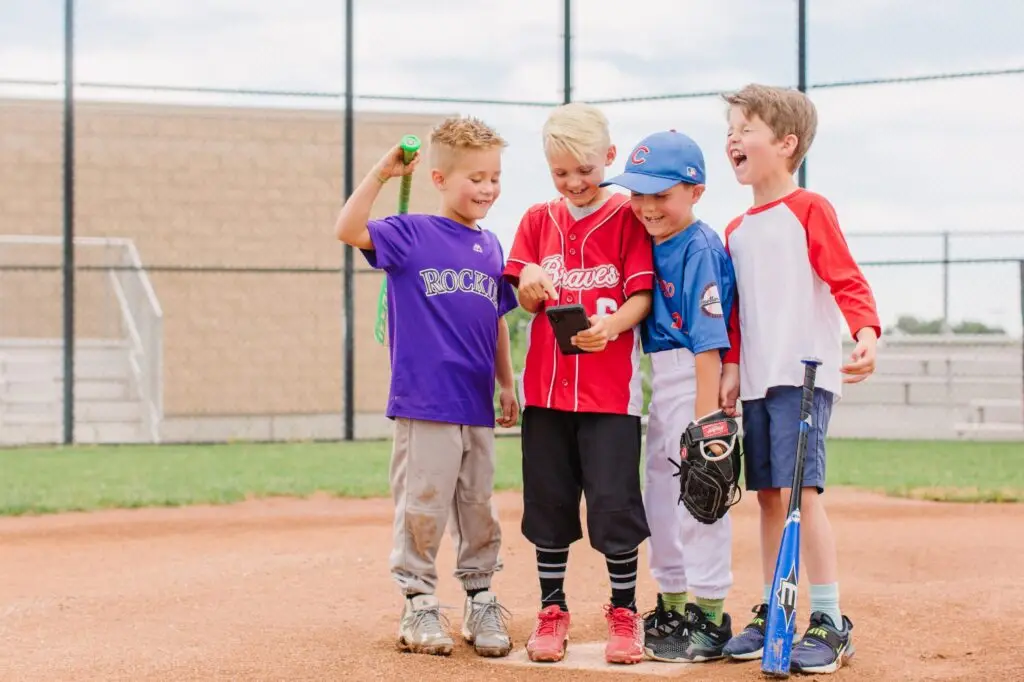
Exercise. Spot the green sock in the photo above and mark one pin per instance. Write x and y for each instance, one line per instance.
(712, 608)
(674, 601)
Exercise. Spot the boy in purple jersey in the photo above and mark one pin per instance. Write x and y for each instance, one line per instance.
(685, 335)
(448, 342)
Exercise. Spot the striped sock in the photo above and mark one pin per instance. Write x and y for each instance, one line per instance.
(622, 576)
(551, 565)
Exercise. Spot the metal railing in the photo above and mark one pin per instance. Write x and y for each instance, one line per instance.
(139, 315)
(142, 320)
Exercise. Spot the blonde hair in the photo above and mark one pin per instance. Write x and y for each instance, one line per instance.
(786, 112)
(456, 135)
(577, 129)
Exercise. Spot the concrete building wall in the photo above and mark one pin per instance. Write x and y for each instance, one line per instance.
(207, 186)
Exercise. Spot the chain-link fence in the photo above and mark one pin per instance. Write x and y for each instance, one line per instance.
(199, 161)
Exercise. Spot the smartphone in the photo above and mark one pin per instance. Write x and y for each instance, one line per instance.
(567, 321)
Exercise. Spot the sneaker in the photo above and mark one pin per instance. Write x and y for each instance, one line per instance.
(823, 648)
(705, 640)
(423, 629)
(665, 633)
(625, 636)
(485, 625)
(550, 636)
(749, 644)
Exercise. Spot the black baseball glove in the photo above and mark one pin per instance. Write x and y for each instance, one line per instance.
(709, 482)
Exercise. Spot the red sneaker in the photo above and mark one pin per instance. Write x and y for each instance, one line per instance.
(625, 636)
(550, 636)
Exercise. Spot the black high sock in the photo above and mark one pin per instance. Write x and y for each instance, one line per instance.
(622, 570)
(551, 565)
(473, 593)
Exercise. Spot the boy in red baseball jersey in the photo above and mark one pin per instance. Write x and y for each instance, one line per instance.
(796, 283)
(581, 413)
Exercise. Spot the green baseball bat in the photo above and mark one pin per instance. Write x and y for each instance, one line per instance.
(410, 145)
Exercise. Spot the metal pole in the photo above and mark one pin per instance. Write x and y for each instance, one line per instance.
(567, 53)
(69, 222)
(1020, 281)
(349, 397)
(801, 71)
(945, 282)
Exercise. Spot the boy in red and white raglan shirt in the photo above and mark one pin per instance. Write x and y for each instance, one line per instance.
(581, 413)
(796, 284)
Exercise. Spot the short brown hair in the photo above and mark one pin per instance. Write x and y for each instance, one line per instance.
(459, 134)
(785, 110)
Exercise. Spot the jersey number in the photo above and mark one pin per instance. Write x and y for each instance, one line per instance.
(606, 306)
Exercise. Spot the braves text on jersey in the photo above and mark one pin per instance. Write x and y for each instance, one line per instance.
(694, 293)
(445, 296)
(598, 261)
(796, 279)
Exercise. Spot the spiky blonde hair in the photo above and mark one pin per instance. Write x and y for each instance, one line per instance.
(578, 129)
(458, 134)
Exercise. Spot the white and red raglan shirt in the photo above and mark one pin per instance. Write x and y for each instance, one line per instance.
(796, 283)
(598, 261)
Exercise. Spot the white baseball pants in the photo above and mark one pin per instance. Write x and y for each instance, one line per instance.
(685, 554)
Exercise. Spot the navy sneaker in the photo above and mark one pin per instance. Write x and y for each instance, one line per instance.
(823, 648)
(664, 633)
(749, 644)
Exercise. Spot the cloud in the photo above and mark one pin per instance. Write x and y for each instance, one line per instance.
(928, 156)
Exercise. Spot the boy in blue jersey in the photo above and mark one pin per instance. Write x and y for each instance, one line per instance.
(685, 335)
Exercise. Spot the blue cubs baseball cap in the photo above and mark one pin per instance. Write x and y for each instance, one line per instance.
(661, 161)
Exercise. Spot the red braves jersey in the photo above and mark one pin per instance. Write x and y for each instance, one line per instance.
(796, 282)
(598, 261)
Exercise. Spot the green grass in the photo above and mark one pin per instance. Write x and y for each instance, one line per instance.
(47, 480)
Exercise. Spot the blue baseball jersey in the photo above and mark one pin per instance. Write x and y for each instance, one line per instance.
(695, 293)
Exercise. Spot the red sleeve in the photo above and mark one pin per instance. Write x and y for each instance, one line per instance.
(637, 256)
(733, 354)
(524, 247)
(832, 261)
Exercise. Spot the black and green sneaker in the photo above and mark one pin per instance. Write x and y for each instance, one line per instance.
(749, 644)
(823, 648)
(706, 641)
(664, 633)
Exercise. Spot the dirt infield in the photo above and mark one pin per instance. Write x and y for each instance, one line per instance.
(299, 590)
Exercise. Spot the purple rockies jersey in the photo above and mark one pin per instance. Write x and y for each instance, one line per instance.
(445, 296)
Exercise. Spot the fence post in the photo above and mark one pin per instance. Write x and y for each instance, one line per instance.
(69, 222)
(1020, 282)
(567, 53)
(349, 365)
(801, 71)
(945, 282)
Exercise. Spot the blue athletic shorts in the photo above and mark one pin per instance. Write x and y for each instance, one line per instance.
(771, 426)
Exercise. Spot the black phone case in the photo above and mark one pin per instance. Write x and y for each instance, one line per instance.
(567, 321)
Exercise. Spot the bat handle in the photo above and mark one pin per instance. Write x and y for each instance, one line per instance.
(807, 394)
(410, 145)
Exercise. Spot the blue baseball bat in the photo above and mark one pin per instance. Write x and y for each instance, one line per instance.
(781, 623)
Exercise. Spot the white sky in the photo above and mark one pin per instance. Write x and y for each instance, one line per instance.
(921, 157)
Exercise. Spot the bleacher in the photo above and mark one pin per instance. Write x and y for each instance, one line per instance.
(944, 387)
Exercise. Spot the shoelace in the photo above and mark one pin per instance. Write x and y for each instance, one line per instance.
(431, 621)
(548, 623)
(623, 623)
(489, 617)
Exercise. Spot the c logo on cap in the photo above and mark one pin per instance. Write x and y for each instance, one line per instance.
(637, 159)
